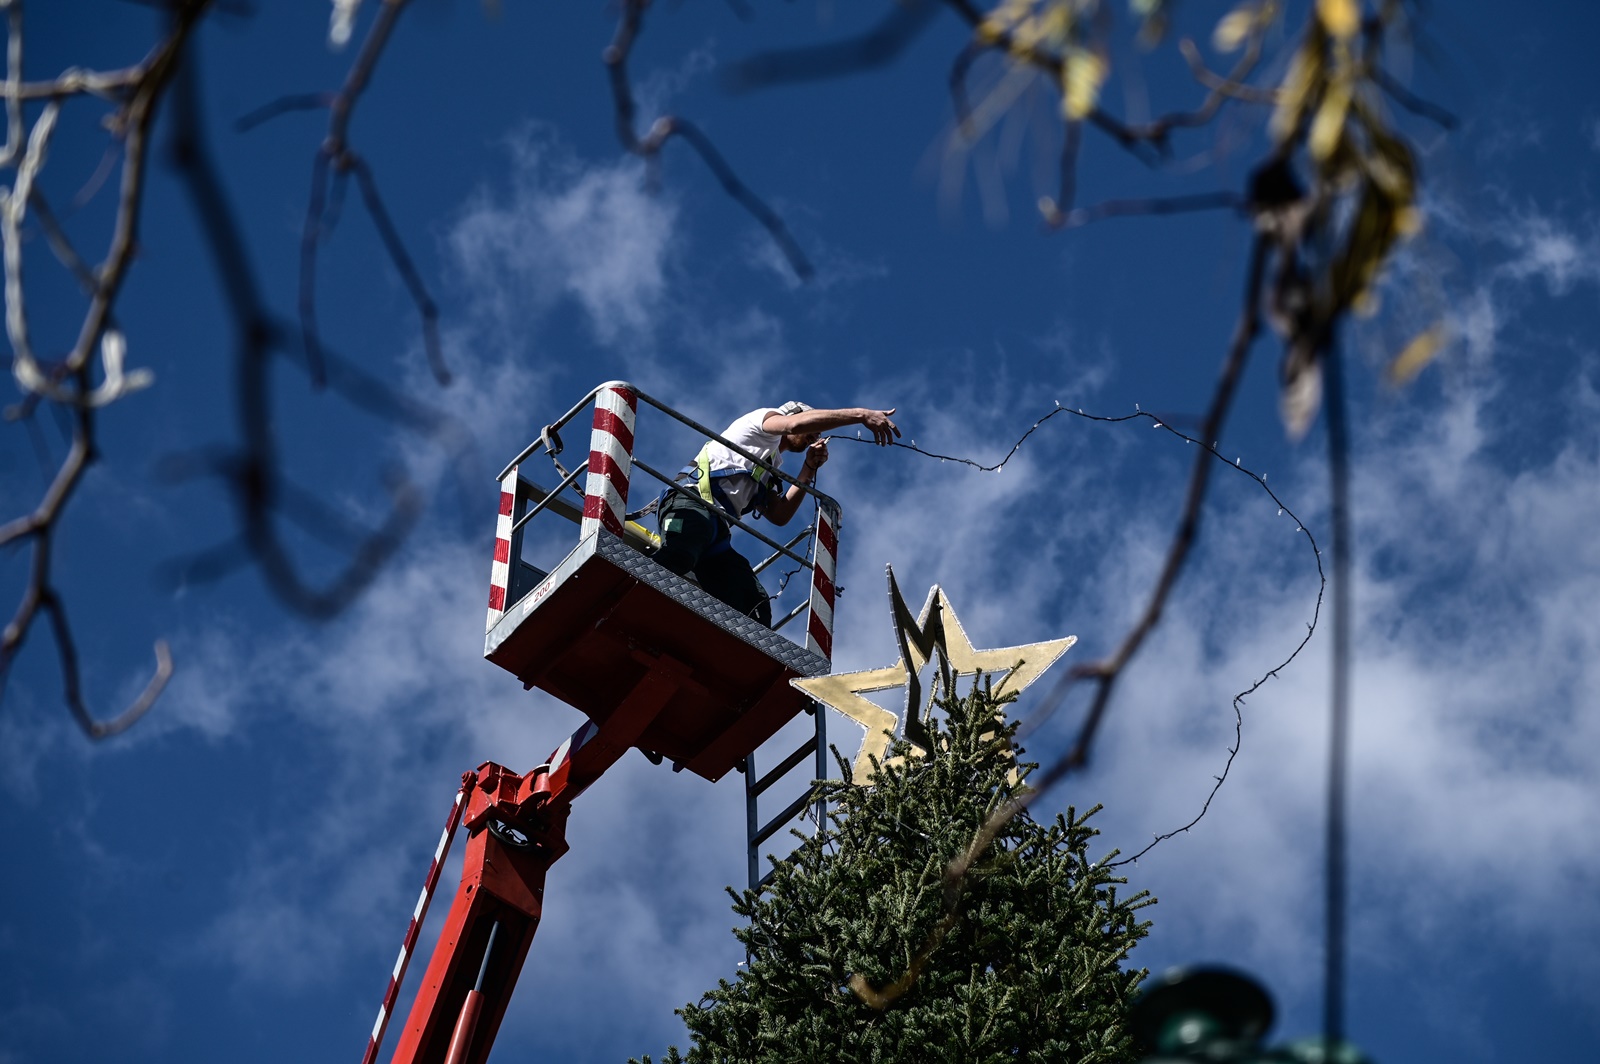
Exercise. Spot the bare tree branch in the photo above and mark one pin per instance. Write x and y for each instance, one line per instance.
(67, 385)
(1439, 116)
(102, 729)
(307, 101)
(1230, 85)
(876, 47)
(335, 157)
(13, 145)
(666, 127)
(258, 487)
(402, 262)
(1222, 199)
(1329, 243)
(1149, 141)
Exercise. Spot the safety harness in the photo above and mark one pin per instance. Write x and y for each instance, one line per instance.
(700, 473)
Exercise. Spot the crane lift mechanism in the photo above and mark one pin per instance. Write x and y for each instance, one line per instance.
(649, 658)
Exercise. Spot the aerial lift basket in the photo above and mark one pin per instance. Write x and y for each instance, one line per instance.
(651, 659)
(592, 628)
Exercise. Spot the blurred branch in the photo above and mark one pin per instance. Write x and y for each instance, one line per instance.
(1328, 205)
(1230, 85)
(666, 127)
(1335, 874)
(68, 383)
(1070, 52)
(402, 261)
(878, 46)
(1105, 673)
(336, 157)
(308, 101)
(68, 653)
(13, 90)
(1067, 190)
(1222, 199)
(259, 489)
(1403, 96)
(991, 33)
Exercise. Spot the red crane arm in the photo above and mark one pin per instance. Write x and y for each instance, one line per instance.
(516, 828)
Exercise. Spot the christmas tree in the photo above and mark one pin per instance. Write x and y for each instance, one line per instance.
(864, 947)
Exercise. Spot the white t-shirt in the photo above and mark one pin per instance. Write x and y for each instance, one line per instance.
(740, 488)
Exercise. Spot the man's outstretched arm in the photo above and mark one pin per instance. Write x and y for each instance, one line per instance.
(883, 430)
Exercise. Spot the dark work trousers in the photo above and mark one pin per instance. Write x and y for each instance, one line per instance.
(692, 540)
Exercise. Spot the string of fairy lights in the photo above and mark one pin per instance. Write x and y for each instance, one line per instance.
(1237, 465)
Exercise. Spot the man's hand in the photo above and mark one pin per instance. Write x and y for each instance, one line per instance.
(816, 458)
(883, 430)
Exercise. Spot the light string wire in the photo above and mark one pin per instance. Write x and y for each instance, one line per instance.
(1052, 702)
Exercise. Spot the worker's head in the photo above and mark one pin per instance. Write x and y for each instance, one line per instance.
(796, 441)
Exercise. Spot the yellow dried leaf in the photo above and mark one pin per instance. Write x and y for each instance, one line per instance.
(1233, 28)
(1391, 164)
(1082, 74)
(1055, 24)
(1417, 354)
(1327, 127)
(1300, 396)
(1154, 16)
(1303, 71)
(1036, 32)
(1001, 21)
(1341, 18)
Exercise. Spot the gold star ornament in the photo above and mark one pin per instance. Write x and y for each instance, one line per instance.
(934, 636)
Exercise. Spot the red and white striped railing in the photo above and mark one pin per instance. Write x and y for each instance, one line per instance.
(605, 506)
(824, 564)
(409, 945)
(605, 492)
(500, 571)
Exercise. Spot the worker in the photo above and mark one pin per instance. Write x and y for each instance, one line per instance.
(695, 539)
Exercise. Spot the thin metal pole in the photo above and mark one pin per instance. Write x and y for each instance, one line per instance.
(488, 952)
(1339, 723)
(583, 467)
(822, 762)
(409, 944)
(471, 1007)
(752, 821)
(791, 615)
(769, 559)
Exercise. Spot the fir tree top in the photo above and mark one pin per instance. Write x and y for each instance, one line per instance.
(861, 948)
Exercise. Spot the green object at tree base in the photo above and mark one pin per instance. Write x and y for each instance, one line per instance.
(1219, 1015)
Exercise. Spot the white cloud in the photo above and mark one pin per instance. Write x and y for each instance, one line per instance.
(654, 92)
(566, 230)
(1551, 250)
(834, 266)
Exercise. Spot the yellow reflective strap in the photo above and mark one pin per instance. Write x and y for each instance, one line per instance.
(702, 468)
(702, 465)
(638, 532)
(759, 473)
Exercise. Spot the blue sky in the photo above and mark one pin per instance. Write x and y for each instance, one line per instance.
(230, 879)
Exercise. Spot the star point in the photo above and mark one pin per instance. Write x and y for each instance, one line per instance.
(934, 636)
